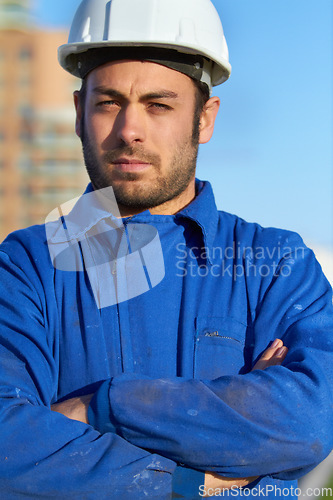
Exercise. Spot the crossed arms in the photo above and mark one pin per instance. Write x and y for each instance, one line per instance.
(77, 409)
(237, 409)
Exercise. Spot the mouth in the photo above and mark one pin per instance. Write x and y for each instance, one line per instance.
(130, 165)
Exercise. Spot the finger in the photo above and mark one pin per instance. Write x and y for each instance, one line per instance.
(268, 354)
(278, 357)
(275, 358)
(274, 355)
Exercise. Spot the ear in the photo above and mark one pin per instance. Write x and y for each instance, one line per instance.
(79, 112)
(207, 119)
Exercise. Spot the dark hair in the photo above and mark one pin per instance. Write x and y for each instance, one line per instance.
(202, 95)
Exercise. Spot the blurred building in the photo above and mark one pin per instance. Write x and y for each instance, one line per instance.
(40, 156)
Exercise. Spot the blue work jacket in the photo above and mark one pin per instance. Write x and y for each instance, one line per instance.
(170, 365)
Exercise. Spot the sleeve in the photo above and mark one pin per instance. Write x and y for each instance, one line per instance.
(273, 422)
(44, 454)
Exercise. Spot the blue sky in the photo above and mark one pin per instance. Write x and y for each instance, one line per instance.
(271, 157)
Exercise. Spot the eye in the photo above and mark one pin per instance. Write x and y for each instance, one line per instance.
(159, 106)
(106, 103)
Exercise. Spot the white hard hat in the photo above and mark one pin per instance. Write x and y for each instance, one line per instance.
(188, 33)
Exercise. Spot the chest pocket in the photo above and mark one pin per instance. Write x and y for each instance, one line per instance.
(219, 347)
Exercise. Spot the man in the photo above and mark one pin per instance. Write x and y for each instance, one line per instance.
(186, 389)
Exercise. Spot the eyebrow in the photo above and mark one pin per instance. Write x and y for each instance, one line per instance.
(158, 94)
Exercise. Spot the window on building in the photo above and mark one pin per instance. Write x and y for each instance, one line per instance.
(25, 133)
(26, 112)
(24, 163)
(25, 53)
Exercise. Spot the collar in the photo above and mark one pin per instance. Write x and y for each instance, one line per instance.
(87, 211)
(203, 212)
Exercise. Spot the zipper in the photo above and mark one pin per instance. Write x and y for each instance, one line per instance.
(216, 334)
(124, 319)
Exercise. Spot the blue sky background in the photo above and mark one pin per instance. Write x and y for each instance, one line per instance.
(271, 157)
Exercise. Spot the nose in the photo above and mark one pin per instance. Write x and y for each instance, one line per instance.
(130, 125)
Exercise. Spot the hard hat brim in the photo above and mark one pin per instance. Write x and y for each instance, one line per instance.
(67, 55)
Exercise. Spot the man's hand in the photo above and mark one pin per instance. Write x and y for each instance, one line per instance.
(75, 408)
(273, 356)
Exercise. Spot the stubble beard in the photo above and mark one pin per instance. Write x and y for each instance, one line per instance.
(131, 191)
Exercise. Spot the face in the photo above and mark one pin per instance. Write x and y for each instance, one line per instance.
(136, 126)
